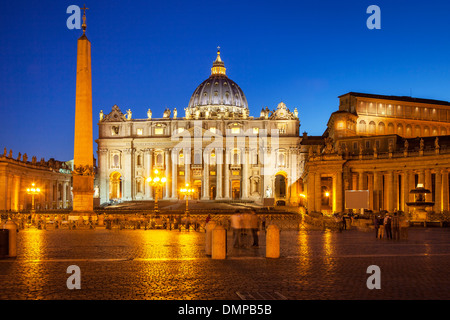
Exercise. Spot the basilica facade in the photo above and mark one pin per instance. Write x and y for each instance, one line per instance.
(215, 146)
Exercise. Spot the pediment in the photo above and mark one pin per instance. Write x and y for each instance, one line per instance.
(115, 115)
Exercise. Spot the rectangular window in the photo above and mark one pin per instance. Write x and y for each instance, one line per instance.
(159, 131)
(212, 173)
(139, 132)
(181, 173)
(212, 129)
(180, 130)
(235, 130)
(235, 173)
(255, 130)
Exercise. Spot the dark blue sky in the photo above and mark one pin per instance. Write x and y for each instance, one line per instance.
(153, 54)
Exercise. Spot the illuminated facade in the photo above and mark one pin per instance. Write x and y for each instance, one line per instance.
(384, 144)
(216, 147)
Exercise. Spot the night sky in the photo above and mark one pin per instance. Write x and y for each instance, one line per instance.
(153, 54)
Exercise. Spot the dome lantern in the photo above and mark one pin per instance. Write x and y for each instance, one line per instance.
(218, 67)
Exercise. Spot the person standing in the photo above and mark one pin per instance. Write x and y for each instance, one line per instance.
(376, 224)
(395, 226)
(387, 226)
(236, 226)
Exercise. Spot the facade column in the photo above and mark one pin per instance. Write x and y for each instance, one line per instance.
(168, 174)
(219, 173)
(128, 175)
(318, 192)
(103, 176)
(245, 175)
(445, 195)
(174, 174)
(227, 175)
(187, 165)
(205, 182)
(149, 171)
(438, 191)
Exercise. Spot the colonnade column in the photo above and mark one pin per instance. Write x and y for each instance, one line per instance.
(376, 191)
(337, 192)
(445, 196)
(310, 192)
(391, 191)
(370, 188)
(428, 196)
(438, 191)
(406, 190)
(317, 192)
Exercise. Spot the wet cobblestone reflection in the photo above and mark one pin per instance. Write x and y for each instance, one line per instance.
(162, 264)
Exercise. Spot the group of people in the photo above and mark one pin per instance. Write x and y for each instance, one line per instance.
(244, 224)
(392, 227)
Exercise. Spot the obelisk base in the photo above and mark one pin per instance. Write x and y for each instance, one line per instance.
(83, 195)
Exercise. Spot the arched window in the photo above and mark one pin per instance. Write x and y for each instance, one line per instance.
(390, 128)
(362, 126)
(381, 128)
(400, 129)
(372, 127)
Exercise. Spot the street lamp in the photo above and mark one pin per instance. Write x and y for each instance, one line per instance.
(187, 192)
(33, 191)
(157, 181)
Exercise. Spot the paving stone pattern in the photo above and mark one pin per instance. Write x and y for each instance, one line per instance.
(161, 264)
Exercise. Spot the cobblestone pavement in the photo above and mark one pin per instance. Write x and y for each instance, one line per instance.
(160, 264)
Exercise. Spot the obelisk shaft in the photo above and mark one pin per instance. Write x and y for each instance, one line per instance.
(83, 175)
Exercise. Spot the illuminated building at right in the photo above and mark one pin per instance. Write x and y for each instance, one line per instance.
(386, 145)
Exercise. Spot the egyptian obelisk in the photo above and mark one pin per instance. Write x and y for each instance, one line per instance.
(83, 164)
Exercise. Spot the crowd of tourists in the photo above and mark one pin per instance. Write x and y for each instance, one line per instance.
(245, 225)
(392, 227)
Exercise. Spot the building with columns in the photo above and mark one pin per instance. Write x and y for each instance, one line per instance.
(17, 174)
(386, 145)
(216, 147)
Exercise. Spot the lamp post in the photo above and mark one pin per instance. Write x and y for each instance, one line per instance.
(33, 191)
(156, 181)
(187, 192)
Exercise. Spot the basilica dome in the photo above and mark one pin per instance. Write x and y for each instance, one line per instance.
(218, 96)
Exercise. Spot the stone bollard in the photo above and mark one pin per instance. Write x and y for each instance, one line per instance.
(208, 242)
(12, 227)
(219, 243)
(273, 242)
(100, 221)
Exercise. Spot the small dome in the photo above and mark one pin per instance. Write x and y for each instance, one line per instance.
(217, 96)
